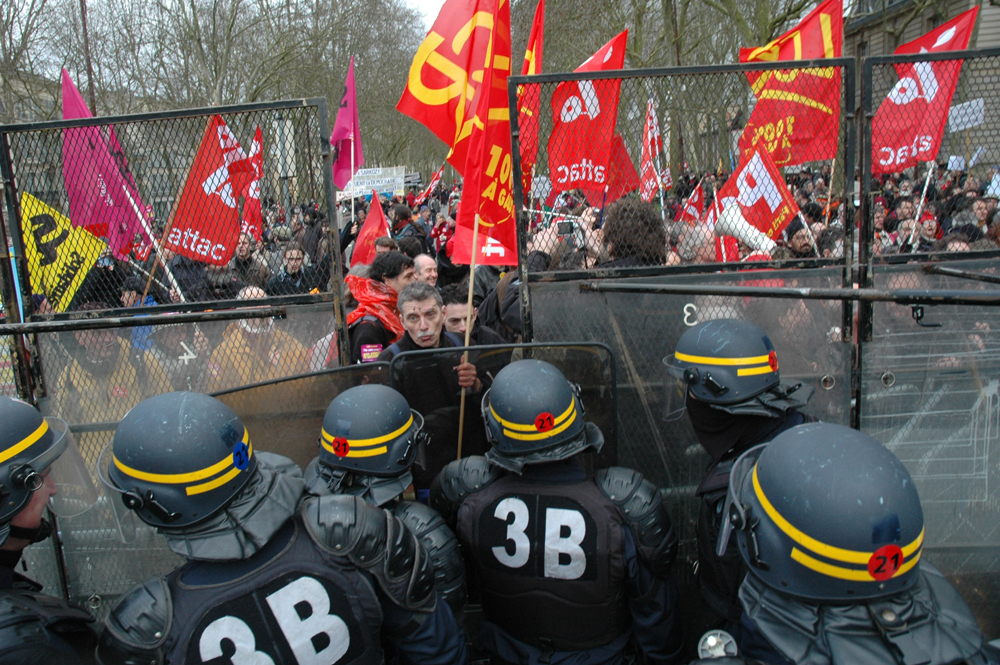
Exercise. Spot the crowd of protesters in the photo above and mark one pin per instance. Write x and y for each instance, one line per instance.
(958, 213)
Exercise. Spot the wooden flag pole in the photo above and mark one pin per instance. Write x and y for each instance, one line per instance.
(468, 329)
(829, 191)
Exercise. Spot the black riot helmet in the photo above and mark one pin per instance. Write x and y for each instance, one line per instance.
(827, 514)
(179, 458)
(534, 415)
(370, 430)
(720, 362)
(28, 445)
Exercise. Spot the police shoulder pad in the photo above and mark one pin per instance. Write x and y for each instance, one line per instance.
(458, 480)
(139, 624)
(642, 508)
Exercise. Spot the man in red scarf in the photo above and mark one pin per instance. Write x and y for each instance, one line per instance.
(374, 325)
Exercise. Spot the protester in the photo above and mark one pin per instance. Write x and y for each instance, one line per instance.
(456, 312)
(252, 351)
(247, 264)
(294, 278)
(374, 324)
(425, 269)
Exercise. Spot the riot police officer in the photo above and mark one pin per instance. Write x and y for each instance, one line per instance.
(369, 440)
(726, 378)
(568, 566)
(34, 628)
(267, 580)
(829, 524)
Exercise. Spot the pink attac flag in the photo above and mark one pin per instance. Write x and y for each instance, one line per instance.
(374, 228)
(909, 125)
(205, 226)
(346, 136)
(652, 144)
(102, 198)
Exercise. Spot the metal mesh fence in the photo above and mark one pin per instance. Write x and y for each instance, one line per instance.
(183, 207)
(96, 376)
(931, 396)
(921, 138)
(599, 192)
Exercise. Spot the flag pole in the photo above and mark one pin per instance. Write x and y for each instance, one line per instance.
(931, 167)
(468, 329)
(829, 191)
(659, 168)
(149, 234)
(715, 204)
(351, 183)
(811, 236)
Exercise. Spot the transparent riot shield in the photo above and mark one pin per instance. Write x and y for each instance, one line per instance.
(428, 380)
(285, 416)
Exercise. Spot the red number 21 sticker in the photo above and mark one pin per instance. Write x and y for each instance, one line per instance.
(885, 562)
(341, 447)
(544, 421)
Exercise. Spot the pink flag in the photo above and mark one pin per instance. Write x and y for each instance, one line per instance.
(101, 199)
(346, 136)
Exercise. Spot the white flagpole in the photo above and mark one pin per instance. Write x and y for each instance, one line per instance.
(149, 234)
(351, 183)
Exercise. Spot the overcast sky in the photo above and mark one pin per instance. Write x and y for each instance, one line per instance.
(429, 8)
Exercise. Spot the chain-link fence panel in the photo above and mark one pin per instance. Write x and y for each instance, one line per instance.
(930, 381)
(172, 208)
(429, 382)
(932, 145)
(641, 170)
(96, 376)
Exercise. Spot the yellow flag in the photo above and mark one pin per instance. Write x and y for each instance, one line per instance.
(59, 256)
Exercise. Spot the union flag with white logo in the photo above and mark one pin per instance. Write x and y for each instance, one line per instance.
(758, 187)
(909, 125)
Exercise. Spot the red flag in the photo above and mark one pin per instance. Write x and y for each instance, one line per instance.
(584, 117)
(244, 176)
(622, 177)
(375, 227)
(529, 103)
(204, 224)
(446, 72)
(694, 207)
(797, 115)
(910, 122)
(488, 192)
(345, 138)
(758, 187)
(652, 144)
(667, 178)
(435, 179)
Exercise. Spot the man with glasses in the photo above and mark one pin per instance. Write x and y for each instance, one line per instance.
(294, 278)
(725, 376)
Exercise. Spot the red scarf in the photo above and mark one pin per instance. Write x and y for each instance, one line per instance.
(374, 299)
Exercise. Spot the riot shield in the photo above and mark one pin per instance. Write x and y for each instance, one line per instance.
(428, 380)
(285, 416)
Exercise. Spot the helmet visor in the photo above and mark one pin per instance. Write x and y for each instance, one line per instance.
(75, 491)
(733, 512)
(674, 390)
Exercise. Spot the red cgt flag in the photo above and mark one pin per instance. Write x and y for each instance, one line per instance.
(910, 122)
(529, 103)
(374, 228)
(797, 116)
(487, 195)
(758, 187)
(204, 224)
(582, 144)
(446, 73)
(652, 144)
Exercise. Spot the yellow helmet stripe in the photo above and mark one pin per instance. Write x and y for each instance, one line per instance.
(751, 371)
(181, 478)
(824, 550)
(26, 442)
(537, 436)
(846, 573)
(362, 443)
(705, 360)
(212, 484)
(531, 428)
(368, 452)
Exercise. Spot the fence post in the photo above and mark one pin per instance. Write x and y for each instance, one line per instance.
(522, 220)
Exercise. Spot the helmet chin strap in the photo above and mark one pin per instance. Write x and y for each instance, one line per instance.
(36, 535)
